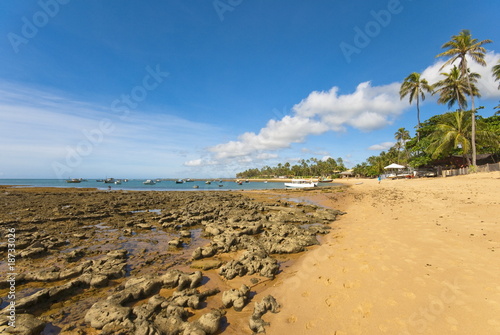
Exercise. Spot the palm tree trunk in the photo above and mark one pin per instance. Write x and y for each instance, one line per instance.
(473, 121)
(418, 120)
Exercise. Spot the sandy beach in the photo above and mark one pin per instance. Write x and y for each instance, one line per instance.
(410, 257)
(413, 256)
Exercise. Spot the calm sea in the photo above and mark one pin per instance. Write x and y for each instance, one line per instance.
(137, 184)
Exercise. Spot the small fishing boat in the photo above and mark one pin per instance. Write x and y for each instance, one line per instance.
(301, 183)
(179, 181)
(149, 182)
(73, 181)
(109, 180)
(208, 182)
(118, 182)
(196, 186)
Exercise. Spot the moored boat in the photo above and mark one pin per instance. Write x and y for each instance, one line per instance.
(179, 181)
(73, 181)
(301, 183)
(149, 182)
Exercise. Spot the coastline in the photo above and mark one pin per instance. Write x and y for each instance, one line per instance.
(409, 257)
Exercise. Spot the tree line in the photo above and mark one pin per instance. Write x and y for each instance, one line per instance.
(305, 168)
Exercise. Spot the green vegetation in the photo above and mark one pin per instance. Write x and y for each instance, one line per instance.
(312, 167)
(440, 136)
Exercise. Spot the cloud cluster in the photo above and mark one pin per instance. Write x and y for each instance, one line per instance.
(367, 108)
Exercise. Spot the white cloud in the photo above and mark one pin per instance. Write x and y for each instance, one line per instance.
(367, 108)
(276, 135)
(194, 162)
(381, 146)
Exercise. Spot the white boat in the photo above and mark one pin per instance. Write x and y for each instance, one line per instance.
(118, 182)
(149, 182)
(301, 183)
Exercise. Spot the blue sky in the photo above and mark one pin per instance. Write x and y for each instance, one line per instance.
(146, 89)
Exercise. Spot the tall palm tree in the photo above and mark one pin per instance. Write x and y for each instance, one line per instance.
(401, 136)
(415, 86)
(453, 88)
(459, 47)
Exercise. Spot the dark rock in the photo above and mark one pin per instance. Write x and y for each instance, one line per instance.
(26, 324)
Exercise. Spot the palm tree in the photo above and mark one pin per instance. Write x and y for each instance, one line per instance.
(415, 86)
(454, 132)
(496, 72)
(401, 136)
(453, 88)
(459, 47)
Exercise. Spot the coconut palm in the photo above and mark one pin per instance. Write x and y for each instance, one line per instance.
(451, 133)
(453, 88)
(454, 130)
(401, 136)
(415, 86)
(459, 47)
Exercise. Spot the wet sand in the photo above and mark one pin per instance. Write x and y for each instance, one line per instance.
(414, 256)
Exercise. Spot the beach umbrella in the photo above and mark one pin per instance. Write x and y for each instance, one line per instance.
(394, 166)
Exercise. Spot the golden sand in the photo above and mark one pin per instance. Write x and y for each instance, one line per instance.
(417, 256)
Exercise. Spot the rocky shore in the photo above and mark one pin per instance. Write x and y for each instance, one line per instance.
(96, 262)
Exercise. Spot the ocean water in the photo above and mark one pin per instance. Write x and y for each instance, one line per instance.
(137, 185)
